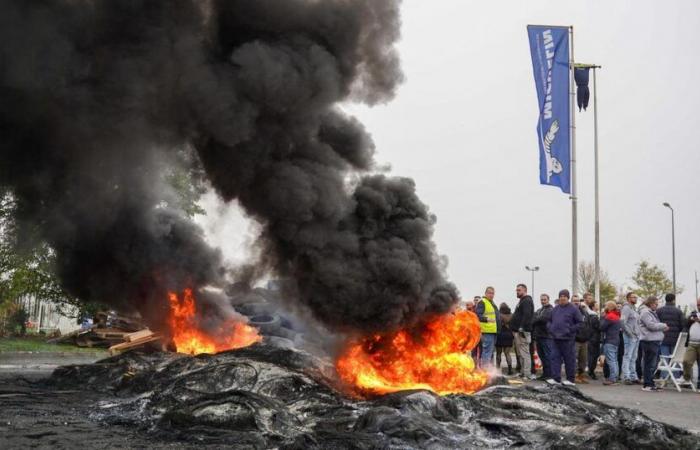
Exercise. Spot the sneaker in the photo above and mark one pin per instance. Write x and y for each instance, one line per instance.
(532, 377)
(552, 381)
(568, 383)
(685, 383)
(607, 382)
(629, 383)
(650, 389)
(637, 381)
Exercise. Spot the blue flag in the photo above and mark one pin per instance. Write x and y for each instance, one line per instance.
(549, 47)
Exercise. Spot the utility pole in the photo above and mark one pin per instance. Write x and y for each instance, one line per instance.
(673, 244)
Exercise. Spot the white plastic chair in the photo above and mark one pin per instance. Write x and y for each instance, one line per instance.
(674, 361)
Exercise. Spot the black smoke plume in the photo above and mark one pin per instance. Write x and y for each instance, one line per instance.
(97, 96)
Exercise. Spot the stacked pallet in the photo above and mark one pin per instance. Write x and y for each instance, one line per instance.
(137, 339)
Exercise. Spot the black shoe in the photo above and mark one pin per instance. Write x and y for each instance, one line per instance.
(593, 377)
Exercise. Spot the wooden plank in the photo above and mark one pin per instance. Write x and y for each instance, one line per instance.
(127, 345)
(135, 336)
(106, 333)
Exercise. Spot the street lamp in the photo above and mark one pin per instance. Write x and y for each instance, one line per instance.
(673, 244)
(532, 270)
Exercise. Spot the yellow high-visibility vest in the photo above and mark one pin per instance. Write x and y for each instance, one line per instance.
(489, 313)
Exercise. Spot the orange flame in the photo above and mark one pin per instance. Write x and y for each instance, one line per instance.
(436, 357)
(189, 338)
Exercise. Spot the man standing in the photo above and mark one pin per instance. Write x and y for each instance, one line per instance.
(562, 326)
(541, 335)
(651, 333)
(488, 316)
(692, 352)
(583, 335)
(594, 342)
(672, 316)
(521, 324)
(630, 336)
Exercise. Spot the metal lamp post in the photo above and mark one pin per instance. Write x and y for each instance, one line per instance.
(673, 244)
(532, 270)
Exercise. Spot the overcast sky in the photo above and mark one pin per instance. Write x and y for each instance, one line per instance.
(463, 126)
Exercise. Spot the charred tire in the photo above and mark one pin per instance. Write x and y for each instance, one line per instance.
(254, 309)
(267, 323)
(284, 332)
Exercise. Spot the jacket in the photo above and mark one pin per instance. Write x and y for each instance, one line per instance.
(650, 327)
(481, 314)
(523, 315)
(539, 323)
(564, 322)
(611, 324)
(596, 336)
(585, 330)
(630, 320)
(672, 316)
(505, 335)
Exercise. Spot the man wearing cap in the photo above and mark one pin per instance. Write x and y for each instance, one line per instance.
(563, 325)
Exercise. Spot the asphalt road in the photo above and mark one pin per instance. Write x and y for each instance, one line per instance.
(681, 409)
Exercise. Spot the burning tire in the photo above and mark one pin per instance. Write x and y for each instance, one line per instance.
(267, 323)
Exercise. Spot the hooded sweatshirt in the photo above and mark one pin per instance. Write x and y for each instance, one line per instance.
(650, 327)
(630, 320)
(564, 322)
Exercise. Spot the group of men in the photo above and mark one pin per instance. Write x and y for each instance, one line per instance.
(575, 334)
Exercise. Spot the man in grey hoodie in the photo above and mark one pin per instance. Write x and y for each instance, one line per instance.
(651, 333)
(630, 336)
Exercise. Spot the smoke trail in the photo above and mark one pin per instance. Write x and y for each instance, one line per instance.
(96, 95)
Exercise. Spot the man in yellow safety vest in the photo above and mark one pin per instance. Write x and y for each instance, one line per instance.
(488, 315)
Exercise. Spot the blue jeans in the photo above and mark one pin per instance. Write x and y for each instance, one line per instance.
(610, 352)
(563, 350)
(650, 349)
(629, 358)
(488, 344)
(544, 349)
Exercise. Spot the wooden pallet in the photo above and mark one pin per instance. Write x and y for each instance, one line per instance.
(134, 340)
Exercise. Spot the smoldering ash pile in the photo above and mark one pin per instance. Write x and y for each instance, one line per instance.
(97, 97)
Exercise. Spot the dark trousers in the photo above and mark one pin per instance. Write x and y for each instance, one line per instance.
(544, 349)
(564, 350)
(650, 352)
(505, 351)
(593, 354)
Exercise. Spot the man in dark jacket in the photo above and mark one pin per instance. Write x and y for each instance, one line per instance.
(521, 324)
(583, 335)
(594, 342)
(541, 335)
(562, 327)
(672, 316)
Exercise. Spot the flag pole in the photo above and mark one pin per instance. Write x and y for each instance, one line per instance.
(574, 199)
(596, 279)
(597, 198)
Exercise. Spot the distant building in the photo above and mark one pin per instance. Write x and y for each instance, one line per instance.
(45, 316)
